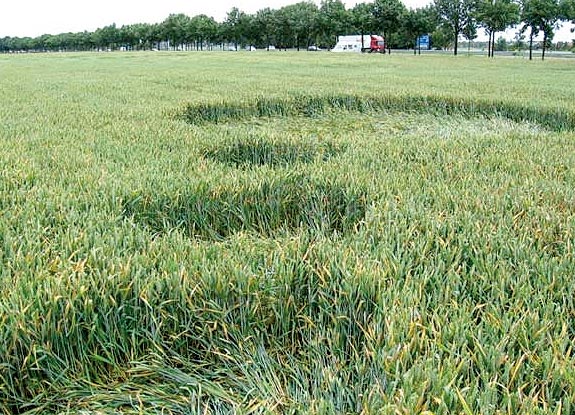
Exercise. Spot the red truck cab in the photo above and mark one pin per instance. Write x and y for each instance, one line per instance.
(377, 44)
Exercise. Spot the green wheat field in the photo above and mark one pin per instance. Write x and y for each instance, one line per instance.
(286, 233)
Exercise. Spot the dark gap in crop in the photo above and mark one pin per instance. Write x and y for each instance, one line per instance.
(261, 152)
(555, 119)
(214, 214)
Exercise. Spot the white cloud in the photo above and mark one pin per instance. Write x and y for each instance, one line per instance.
(37, 17)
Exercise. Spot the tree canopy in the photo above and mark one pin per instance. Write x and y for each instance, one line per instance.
(455, 14)
(308, 23)
(541, 16)
(496, 16)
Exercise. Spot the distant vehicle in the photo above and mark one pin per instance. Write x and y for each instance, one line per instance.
(251, 48)
(232, 49)
(353, 43)
(313, 48)
(271, 47)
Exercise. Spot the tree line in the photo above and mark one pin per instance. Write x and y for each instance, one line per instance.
(305, 23)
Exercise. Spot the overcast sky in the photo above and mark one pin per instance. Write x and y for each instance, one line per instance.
(37, 17)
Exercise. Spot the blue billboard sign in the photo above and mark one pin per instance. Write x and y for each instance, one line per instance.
(424, 42)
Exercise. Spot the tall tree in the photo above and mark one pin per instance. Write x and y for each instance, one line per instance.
(203, 29)
(455, 14)
(283, 29)
(469, 31)
(419, 22)
(266, 24)
(141, 35)
(106, 37)
(333, 19)
(496, 16)
(240, 28)
(389, 15)
(176, 29)
(128, 37)
(569, 14)
(363, 20)
(568, 11)
(540, 16)
(231, 28)
(302, 22)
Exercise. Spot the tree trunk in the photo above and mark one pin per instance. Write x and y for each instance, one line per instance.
(544, 45)
(531, 45)
(493, 45)
(489, 46)
(416, 46)
(455, 46)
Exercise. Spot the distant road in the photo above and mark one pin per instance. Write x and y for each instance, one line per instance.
(518, 54)
(474, 52)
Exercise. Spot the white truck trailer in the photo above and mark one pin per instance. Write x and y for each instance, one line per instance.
(352, 43)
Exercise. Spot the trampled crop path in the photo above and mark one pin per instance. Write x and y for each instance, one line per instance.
(219, 233)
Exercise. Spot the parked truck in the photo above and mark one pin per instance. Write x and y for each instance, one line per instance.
(353, 43)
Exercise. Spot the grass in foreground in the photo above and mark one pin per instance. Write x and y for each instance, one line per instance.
(380, 261)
